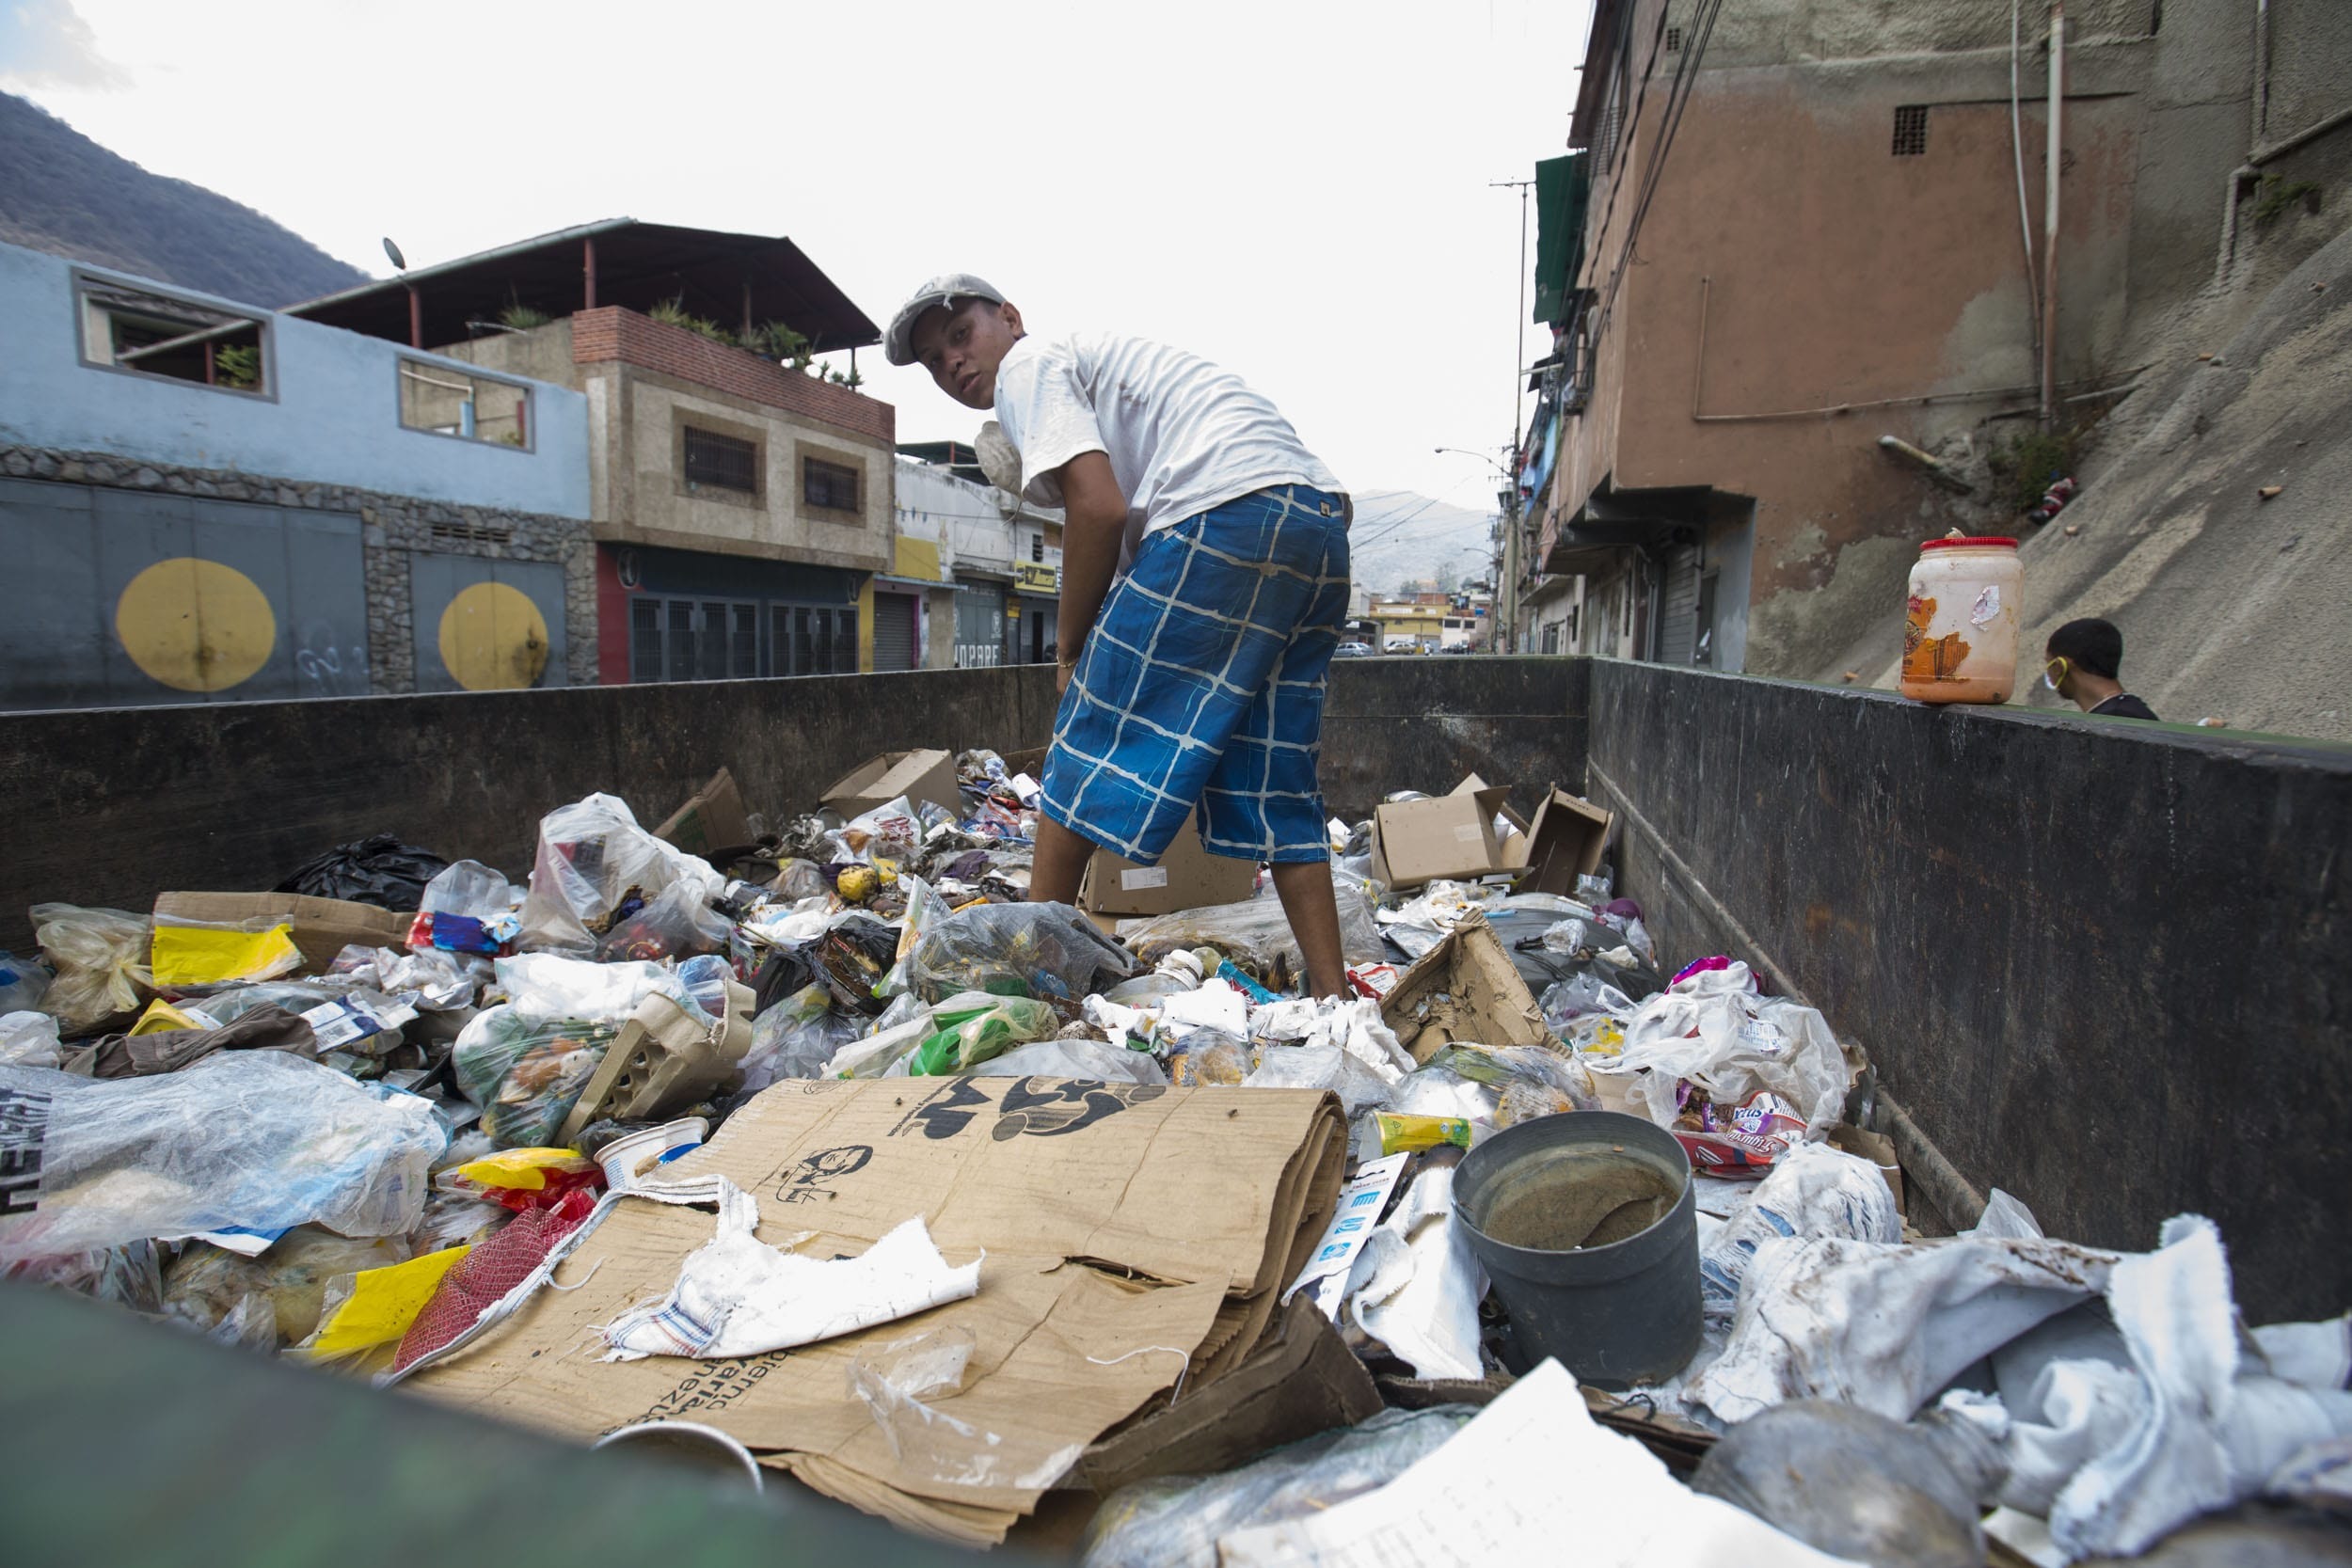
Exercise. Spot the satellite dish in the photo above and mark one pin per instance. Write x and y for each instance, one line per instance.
(400, 262)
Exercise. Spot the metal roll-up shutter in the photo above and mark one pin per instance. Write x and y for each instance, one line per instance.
(894, 632)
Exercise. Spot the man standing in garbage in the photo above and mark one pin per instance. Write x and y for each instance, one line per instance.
(1204, 580)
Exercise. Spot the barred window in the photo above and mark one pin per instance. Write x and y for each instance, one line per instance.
(1911, 130)
(833, 487)
(722, 462)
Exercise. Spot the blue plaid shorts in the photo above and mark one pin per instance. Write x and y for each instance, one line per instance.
(1202, 684)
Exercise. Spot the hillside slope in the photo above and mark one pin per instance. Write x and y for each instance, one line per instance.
(1400, 536)
(2232, 607)
(63, 193)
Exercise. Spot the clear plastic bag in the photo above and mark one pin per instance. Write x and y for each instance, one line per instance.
(100, 956)
(901, 1384)
(888, 1045)
(596, 866)
(29, 1040)
(796, 1038)
(926, 908)
(1211, 1056)
(468, 888)
(1320, 1067)
(526, 1073)
(429, 980)
(1067, 1058)
(129, 1276)
(1813, 1189)
(548, 986)
(1495, 1086)
(257, 1140)
(22, 983)
(1712, 1030)
(1176, 1521)
(1047, 951)
(1256, 936)
(679, 922)
(1581, 996)
(206, 1285)
(970, 1028)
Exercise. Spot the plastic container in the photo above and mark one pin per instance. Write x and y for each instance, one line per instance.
(1960, 630)
(626, 1158)
(690, 1444)
(1587, 1225)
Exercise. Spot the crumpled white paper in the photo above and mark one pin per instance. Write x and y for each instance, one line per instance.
(738, 1296)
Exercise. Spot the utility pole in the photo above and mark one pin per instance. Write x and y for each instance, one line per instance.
(1507, 597)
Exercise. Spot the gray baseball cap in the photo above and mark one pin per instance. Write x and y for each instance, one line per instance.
(898, 342)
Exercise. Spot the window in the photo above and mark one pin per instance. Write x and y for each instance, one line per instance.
(831, 486)
(1704, 653)
(446, 401)
(132, 329)
(1911, 130)
(1674, 46)
(1037, 547)
(722, 462)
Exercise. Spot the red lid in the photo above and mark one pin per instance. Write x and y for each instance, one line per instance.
(1985, 541)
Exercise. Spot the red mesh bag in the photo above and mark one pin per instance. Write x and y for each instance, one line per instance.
(488, 1272)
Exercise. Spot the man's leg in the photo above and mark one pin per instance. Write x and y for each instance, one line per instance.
(1308, 904)
(1060, 862)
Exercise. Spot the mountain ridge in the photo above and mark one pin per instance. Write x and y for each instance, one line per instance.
(63, 193)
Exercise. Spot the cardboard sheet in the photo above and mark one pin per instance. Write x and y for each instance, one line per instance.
(919, 776)
(1130, 1232)
(713, 818)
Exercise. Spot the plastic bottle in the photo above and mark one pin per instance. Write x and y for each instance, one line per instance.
(1960, 633)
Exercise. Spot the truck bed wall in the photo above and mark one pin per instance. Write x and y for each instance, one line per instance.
(112, 806)
(2103, 965)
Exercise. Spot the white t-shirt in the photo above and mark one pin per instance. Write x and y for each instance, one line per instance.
(1183, 435)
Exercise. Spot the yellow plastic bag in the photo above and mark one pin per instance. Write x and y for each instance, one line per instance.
(379, 1305)
(162, 1016)
(520, 1169)
(209, 955)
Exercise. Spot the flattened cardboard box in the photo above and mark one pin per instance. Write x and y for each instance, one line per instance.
(919, 776)
(322, 927)
(1186, 877)
(1113, 1218)
(1464, 988)
(713, 818)
(1450, 836)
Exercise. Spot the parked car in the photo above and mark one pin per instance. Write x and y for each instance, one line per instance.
(1352, 650)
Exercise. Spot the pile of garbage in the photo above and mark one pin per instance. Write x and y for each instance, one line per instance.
(991, 1172)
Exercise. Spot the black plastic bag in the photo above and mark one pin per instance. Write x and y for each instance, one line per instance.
(379, 870)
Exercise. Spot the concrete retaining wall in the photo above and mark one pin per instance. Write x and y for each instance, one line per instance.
(2103, 965)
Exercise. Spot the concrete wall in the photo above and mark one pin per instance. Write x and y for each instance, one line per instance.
(1838, 275)
(331, 413)
(2101, 964)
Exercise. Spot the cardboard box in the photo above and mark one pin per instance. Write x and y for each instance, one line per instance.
(322, 927)
(1114, 1217)
(1464, 988)
(1450, 836)
(919, 776)
(1186, 877)
(713, 818)
(1565, 840)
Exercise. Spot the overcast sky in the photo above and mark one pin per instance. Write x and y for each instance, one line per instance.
(1299, 190)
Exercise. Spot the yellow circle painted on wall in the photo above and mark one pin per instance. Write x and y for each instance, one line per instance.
(194, 625)
(494, 639)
